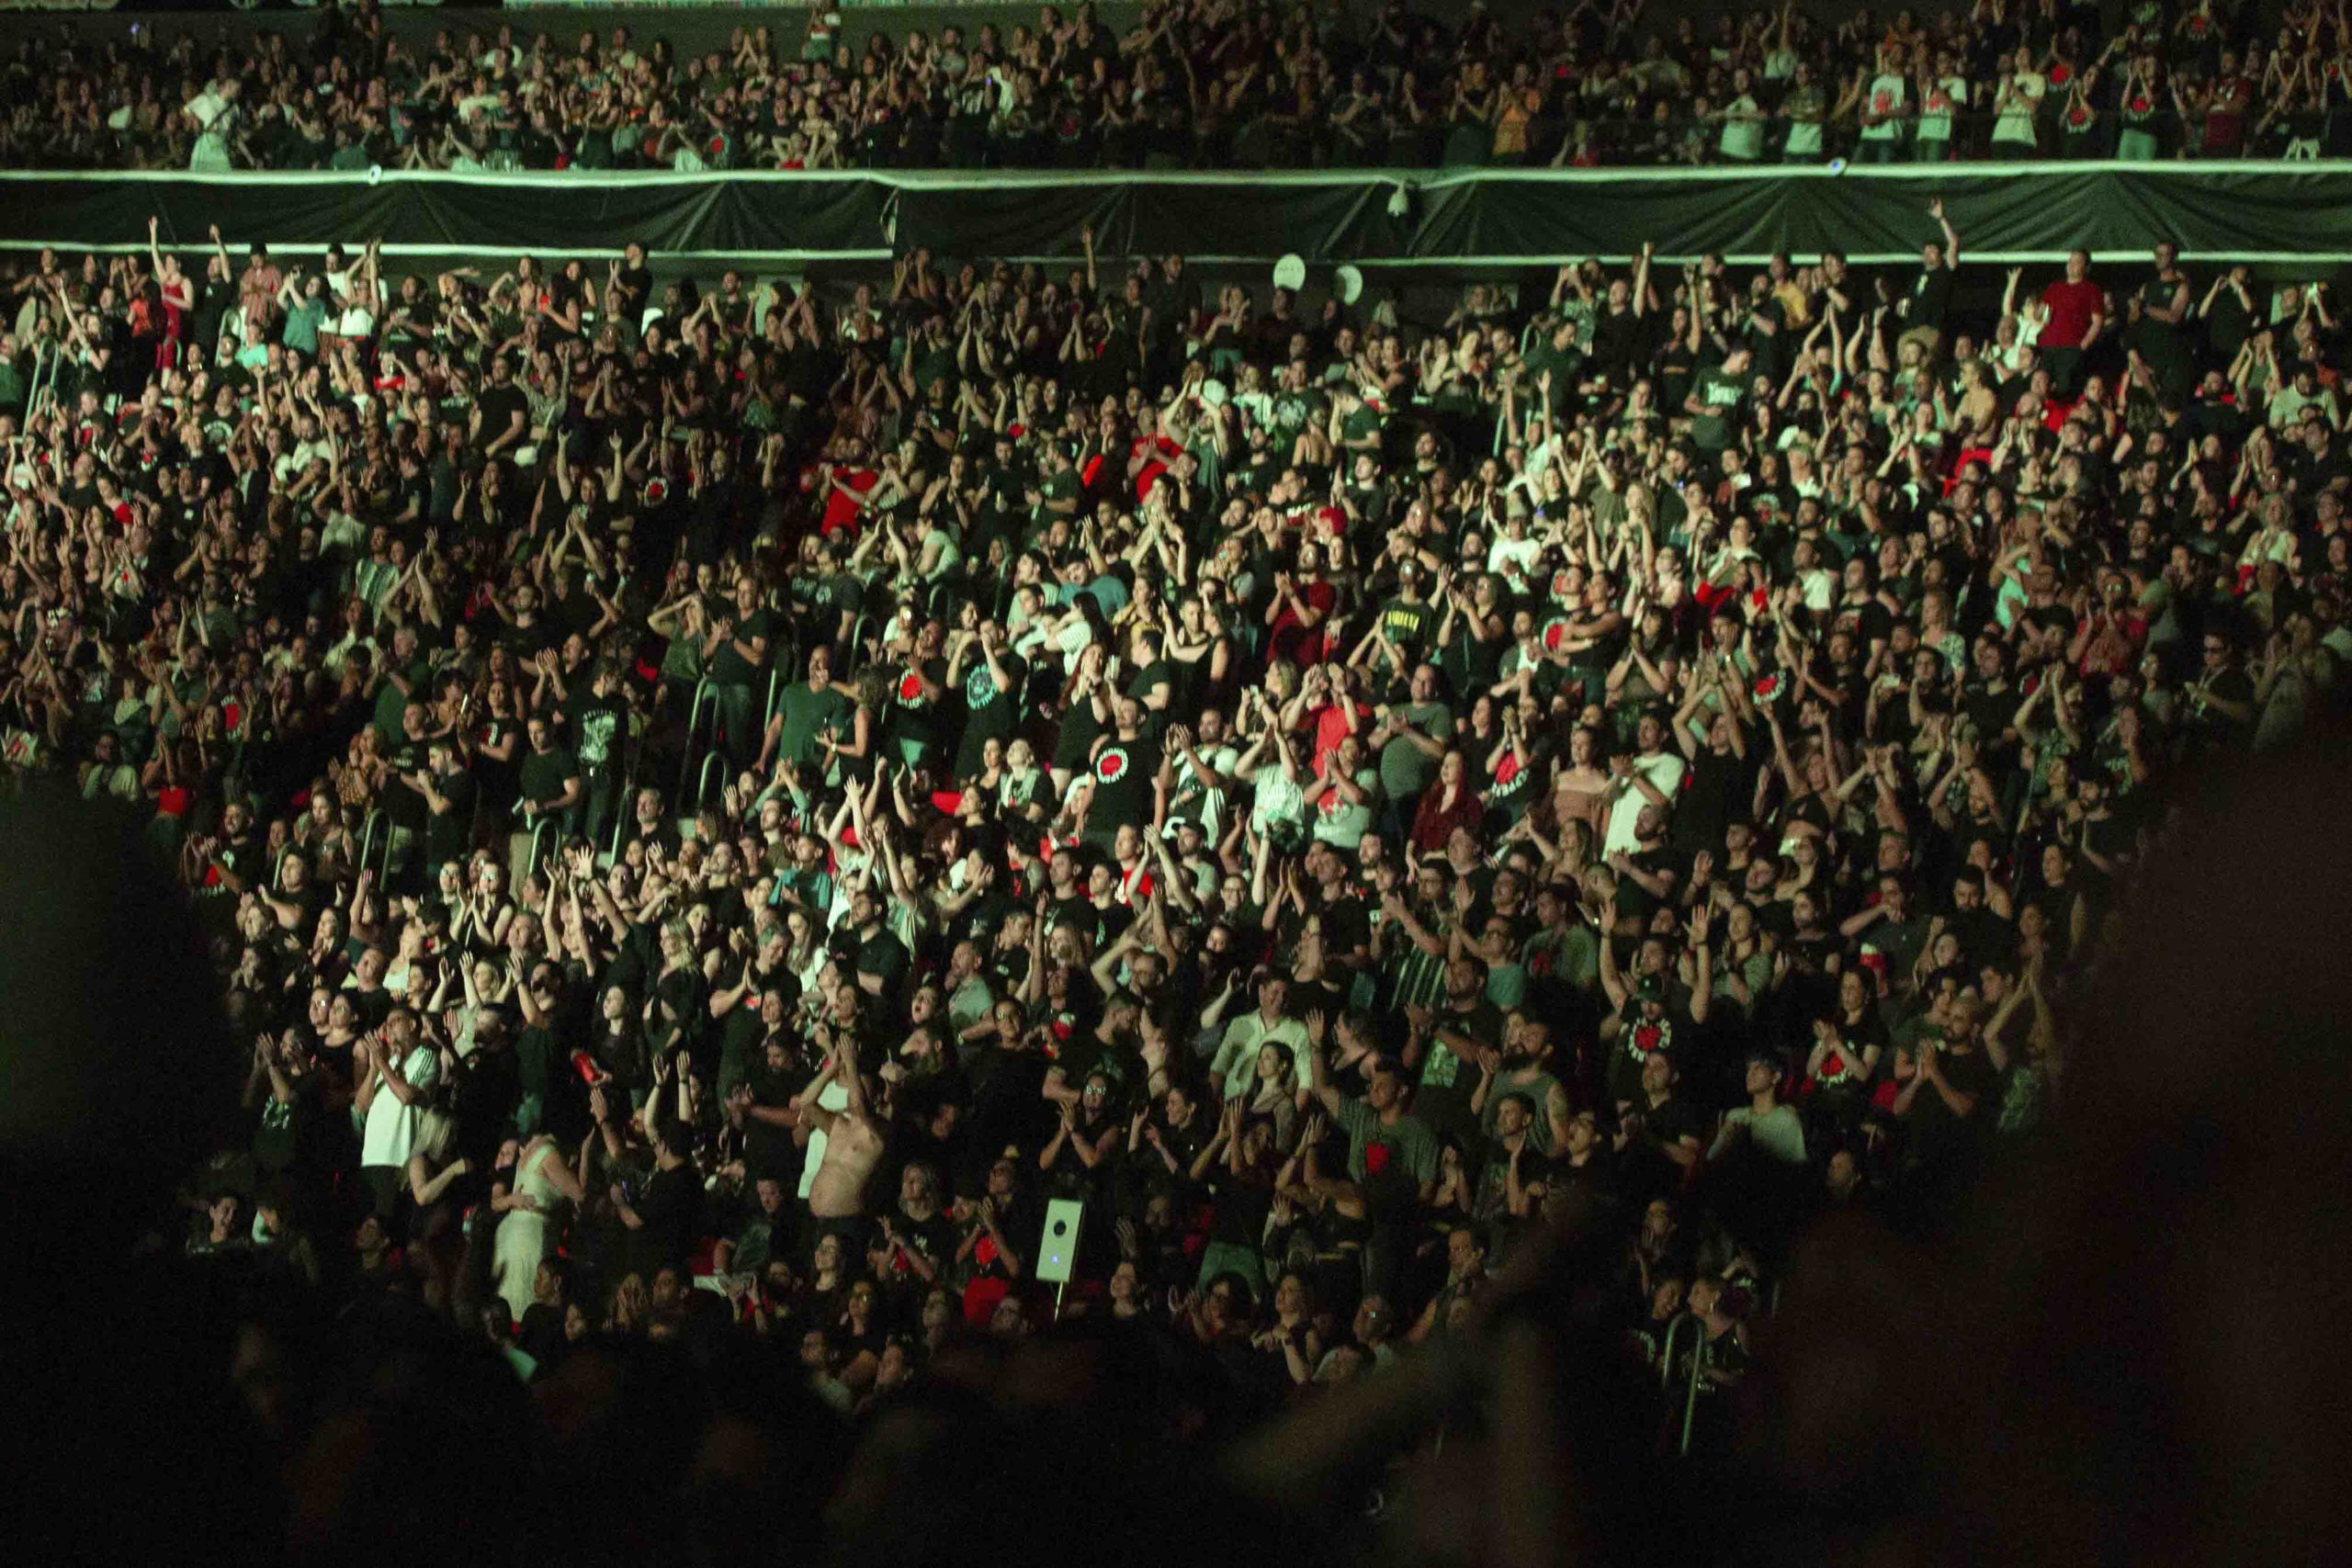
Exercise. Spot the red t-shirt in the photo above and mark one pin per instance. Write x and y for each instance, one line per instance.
(1329, 724)
(1158, 453)
(2073, 307)
(1288, 639)
(841, 512)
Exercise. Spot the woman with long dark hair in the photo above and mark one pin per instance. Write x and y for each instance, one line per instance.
(1452, 802)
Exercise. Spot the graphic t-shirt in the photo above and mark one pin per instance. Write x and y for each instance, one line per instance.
(1391, 1161)
(1888, 93)
(1408, 626)
(1944, 94)
(599, 725)
(1720, 393)
(1124, 771)
(2023, 101)
(990, 710)
(914, 715)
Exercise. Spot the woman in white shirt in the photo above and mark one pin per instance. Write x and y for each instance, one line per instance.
(2018, 104)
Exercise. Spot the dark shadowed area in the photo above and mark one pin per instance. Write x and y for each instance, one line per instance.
(2124, 1357)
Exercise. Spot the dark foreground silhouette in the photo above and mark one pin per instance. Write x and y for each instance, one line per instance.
(2123, 1356)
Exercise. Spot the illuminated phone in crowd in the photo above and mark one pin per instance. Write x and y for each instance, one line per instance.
(1058, 1249)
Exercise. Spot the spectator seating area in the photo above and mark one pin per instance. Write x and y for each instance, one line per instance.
(763, 790)
(723, 808)
(1194, 83)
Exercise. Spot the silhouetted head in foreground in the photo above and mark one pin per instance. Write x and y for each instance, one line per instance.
(115, 1064)
(116, 1078)
(2124, 1356)
(2129, 1355)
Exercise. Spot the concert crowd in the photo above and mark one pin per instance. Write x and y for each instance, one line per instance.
(716, 801)
(1204, 84)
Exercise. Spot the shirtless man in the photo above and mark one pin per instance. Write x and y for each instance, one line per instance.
(853, 1139)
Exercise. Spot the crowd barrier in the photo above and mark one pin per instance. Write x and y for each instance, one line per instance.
(1457, 219)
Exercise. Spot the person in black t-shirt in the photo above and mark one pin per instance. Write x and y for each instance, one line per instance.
(502, 413)
(662, 1217)
(597, 717)
(1929, 303)
(917, 1240)
(878, 958)
(629, 288)
(450, 797)
(1945, 1101)
(550, 776)
(1658, 1136)
(1719, 784)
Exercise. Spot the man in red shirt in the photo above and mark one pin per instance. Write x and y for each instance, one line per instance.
(2077, 315)
(1301, 602)
(1150, 455)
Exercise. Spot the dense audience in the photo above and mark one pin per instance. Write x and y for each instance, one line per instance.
(1211, 84)
(715, 802)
